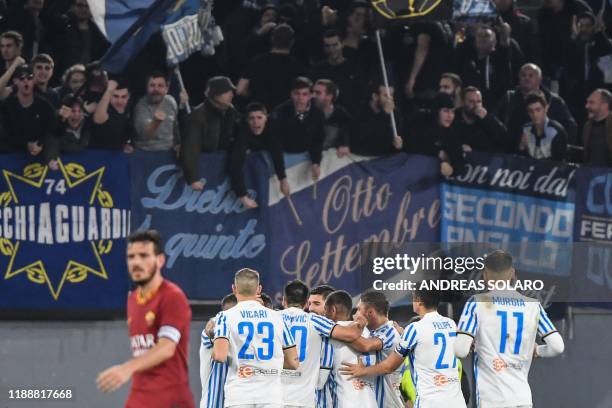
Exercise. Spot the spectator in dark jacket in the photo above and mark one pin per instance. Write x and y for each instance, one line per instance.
(28, 119)
(477, 128)
(486, 63)
(542, 137)
(37, 28)
(73, 131)
(208, 128)
(597, 132)
(254, 135)
(112, 125)
(337, 120)
(513, 112)
(11, 44)
(435, 136)
(258, 41)
(297, 127)
(43, 65)
(372, 133)
(452, 85)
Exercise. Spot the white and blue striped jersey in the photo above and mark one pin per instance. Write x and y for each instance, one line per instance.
(212, 375)
(387, 387)
(307, 330)
(346, 392)
(504, 325)
(429, 346)
(323, 395)
(257, 337)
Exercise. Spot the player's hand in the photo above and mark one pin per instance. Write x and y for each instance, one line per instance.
(342, 151)
(210, 328)
(197, 186)
(248, 202)
(353, 370)
(284, 187)
(112, 378)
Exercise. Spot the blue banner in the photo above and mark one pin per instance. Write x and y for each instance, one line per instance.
(593, 229)
(208, 234)
(62, 233)
(503, 200)
(392, 199)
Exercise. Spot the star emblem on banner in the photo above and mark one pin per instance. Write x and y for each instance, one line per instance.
(73, 176)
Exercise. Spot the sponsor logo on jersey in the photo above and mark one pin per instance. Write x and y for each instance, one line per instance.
(140, 343)
(500, 365)
(150, 318)
(358, 384)
(440, 380)
(245, 372)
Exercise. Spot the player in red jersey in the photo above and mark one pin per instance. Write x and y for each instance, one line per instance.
(158, 323)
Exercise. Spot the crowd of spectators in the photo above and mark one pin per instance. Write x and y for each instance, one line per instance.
(308, 78)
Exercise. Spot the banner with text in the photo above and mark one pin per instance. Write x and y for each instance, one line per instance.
(62, 233)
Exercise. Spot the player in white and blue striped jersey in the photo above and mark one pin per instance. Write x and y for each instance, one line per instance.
(382, 340)
(308, 330)
(345, 392)
(212, 373)
(503, 326)
(429, 344)
(256, 343)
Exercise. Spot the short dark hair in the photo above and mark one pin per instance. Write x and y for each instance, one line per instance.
(14, 35)
(150, 235)
(256, 107)
(454, 78)
(156, 74)
(330, 87)
(536, 97)
(267, 300)
(296, 293)
(377, 300)
(341, 300)
(229, 298)
(282, 36)
(331, 33)
(43, 59)
(498, 261)
(430, 298)
(122, 83)
(606, 96)
(301, 82)
(467, 90)
(322, 290)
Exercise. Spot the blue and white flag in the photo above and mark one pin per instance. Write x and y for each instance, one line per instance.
(187, 26)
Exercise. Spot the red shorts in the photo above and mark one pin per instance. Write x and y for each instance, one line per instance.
(173, 397)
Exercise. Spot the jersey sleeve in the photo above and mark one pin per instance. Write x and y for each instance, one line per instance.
(175, 316)
(545, 326)
(221, 328)
(327, 354)
(288, 340)
(468, 323)
(409, 340)
(322, 325)
(387, 335)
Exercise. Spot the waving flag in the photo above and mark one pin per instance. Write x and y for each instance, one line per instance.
(186, 24)
(411, 10)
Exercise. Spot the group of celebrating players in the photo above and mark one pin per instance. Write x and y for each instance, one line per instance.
(320, 352)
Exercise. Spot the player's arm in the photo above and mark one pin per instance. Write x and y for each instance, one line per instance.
(221, 339)
(292, 361)
(387, 366)
(367, 345)
(328, 328)
(114, 377)
(466, 329)
(554, 342)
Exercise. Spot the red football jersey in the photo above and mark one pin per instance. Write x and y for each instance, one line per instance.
(164, 314)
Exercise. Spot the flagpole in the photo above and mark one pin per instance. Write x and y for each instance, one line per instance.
(177, 71)
(385, 79)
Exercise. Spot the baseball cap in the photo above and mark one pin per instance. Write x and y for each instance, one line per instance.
(23, 71)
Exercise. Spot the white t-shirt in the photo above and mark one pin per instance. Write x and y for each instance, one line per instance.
(429, 346)
(257, 337)
(504, 325)
(307, 330)
(347, 393)
(387, 387)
